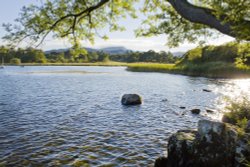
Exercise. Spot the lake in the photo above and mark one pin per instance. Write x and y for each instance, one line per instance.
(72, 116)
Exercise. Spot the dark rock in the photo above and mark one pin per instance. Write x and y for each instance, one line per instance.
(161, 162)
(195, 111)
(209, 111)
(206, 90)
(248, 127)
(242, 155)
(227, 119)
(210, 129)
(131, 99)
(213, 145)
(217, 144)
(182, 107)
(224, 119)
(180, 148)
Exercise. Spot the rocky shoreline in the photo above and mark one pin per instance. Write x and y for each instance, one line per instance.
(213, 144)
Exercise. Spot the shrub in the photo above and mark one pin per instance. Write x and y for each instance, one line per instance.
(193, 55)
(239, 113)
(231, 52)
(15, 61)
(244, 54)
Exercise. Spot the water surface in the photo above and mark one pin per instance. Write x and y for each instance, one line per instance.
(72, 116)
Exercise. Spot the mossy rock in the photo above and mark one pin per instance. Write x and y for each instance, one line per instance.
(214, 144)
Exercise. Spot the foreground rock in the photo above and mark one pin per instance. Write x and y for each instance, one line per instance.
(131, 99)
(242, 154)
(248, 127)
(215, 144)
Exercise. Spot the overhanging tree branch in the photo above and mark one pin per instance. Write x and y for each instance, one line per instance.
(79, 15)
(88, 11)
(77, 20)
(204, 16)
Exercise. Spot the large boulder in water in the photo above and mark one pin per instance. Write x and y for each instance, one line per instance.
(131, 99)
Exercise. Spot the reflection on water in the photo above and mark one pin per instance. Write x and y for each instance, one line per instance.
(237, 88)
(59, 72)
(232, 90)
(69, 118)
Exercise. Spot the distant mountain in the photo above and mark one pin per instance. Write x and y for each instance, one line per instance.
(178, 54)
(109, 50)
(56, 51)
(115, 50)
(91, 49)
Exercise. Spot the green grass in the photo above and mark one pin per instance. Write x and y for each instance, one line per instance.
(210, 69)
(151, 67)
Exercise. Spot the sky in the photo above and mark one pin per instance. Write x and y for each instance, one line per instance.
(9, 11)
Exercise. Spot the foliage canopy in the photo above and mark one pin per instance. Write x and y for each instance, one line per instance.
(181, 20)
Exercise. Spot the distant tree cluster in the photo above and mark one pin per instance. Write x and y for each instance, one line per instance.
(16, 56)
(82, 57)
(149, 56)
(232, 52)
(100, 56)
(31, 55)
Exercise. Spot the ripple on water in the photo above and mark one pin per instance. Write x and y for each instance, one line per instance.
(77, 120)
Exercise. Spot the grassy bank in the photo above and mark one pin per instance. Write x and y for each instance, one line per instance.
(151, 67)
(210, 69)
(231, 60)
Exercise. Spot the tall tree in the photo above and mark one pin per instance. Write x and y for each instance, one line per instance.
(180, 19)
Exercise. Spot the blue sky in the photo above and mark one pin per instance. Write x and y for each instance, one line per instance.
(9, 10)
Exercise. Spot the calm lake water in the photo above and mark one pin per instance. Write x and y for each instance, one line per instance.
(72, 116)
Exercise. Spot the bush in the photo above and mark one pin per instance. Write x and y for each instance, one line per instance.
(239, 113)
(15, 61)
(244, 54)
(193, 55)
(231, 53)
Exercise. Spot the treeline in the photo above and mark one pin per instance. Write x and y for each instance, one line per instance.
(230, 53)
(231, 60)
(149, 56)
(238, 53)
(69, 56)
(31, 55)
(129, 57)
(16, 56)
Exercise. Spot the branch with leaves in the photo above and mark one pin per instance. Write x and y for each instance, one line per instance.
(180, 20)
